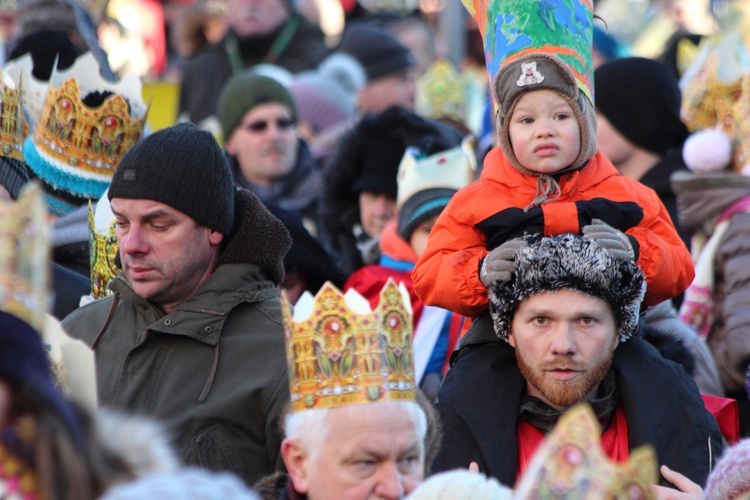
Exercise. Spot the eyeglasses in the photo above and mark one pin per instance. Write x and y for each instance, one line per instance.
(261, 125)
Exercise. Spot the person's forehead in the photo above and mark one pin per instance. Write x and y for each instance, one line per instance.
(541, 97)
(143, 208)
(551, 299)
(267, 110)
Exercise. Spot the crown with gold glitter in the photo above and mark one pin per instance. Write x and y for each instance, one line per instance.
(340, 352)
(33, 90)
(75, 148)
(11, 119)
(102, 247)
(24, 256)
(441, 92)
(716, 93)
(570, 463)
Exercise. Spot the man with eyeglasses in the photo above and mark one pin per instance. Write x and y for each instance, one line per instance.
(258, 119)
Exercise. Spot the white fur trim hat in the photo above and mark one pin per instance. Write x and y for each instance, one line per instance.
(570, 262)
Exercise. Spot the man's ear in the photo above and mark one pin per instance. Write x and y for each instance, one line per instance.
(511, 338)
(296, 459)
(215, 237)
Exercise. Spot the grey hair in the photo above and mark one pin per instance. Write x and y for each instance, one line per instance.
(310, 427)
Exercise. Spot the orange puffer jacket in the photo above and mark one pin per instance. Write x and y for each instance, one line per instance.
(490, 211)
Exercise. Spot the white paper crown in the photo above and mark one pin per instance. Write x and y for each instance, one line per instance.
(453, 169)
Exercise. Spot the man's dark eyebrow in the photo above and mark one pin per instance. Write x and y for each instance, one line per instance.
(149, 216)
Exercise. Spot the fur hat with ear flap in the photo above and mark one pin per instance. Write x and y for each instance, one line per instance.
(572, 262)
(528, 49)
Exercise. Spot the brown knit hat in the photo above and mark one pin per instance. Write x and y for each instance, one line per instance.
(539, 71)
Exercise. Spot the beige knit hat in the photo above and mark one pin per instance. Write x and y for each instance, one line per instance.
(540, 71)
(460, 484)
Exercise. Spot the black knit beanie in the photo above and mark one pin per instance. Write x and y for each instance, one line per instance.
(378, 51)
(14, 174)
(641, 99)
(181, 166)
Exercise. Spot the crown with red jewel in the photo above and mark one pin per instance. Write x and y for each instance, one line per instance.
(75, 147)
(340, 352)
(571, 463)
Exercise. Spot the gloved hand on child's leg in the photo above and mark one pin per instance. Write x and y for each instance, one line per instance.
(610, 239)
(499, 264)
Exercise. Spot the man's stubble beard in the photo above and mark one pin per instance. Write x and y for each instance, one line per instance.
(564, 394)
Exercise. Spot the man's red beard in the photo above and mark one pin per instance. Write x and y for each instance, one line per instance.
(564, 393)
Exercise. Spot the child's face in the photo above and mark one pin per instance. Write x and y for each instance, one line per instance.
(418, 239)
(544, 132)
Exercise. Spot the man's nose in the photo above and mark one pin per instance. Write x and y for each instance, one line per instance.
(133, 241)
(563, 340)
(389, 483)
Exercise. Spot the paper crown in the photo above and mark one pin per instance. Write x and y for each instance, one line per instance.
(570, 463)
(340, 352)
(33, 90)
(24, 256)
(451, 169)
(441, 92)
(716, 93)
(11, 119)
(102, 247)
(511, 29)
(75, 148)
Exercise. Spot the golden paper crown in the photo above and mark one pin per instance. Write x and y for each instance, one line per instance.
(716, 93)
(33, 91)
(452, 169)
(24, 256)
(102, 247)
(341, 353)
(11, 119)
(570, 463)
(86, 142)
(441, 92)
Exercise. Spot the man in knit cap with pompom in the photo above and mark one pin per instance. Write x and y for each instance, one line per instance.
(547, 176)
(191, 334)
(565, 332)
(259, 122)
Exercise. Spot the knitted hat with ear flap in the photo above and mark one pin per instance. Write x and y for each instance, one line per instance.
(572, 262)
(539, 45)
(540, 71)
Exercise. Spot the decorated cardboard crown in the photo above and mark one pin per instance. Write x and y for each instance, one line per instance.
(11, 119)
(340, 352)
(451, 169)
(102, 247)
(33, 90)
(716, 92)
(24, 256)
(512, 29)
(75, 148)
(441, 92)
(570, 463)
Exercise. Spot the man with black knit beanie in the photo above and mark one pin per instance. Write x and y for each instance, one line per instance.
(192, 332)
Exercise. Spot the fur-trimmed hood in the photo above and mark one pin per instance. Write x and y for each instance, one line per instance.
(258, 237)
(572, 262)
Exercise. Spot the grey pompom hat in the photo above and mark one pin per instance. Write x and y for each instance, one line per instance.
(568, 261)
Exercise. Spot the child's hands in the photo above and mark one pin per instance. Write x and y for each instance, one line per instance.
(610, 239)
(499, 264)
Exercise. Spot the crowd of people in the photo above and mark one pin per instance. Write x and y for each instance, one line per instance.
(350, 268)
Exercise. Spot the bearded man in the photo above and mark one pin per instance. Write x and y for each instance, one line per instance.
(563, 332)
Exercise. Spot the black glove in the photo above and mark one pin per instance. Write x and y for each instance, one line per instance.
(499, 264)
(610, 239)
